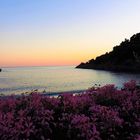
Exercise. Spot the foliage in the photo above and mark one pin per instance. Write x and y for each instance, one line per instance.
(104, 113)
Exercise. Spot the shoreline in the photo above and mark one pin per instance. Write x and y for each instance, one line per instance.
(50, 94)
(117, 69)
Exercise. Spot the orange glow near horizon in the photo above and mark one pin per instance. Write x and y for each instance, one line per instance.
(42, 58)
(23, 52)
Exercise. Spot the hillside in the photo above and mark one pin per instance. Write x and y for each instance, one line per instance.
(124, 57)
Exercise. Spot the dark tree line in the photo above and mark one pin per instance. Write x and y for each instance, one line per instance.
(122, 56)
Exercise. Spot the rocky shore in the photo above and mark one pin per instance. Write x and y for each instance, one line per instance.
(115, 68)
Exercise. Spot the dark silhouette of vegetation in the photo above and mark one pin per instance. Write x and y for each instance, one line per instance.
(0, 70)
(124, 57)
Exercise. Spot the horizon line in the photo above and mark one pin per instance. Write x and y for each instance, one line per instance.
(37, 66)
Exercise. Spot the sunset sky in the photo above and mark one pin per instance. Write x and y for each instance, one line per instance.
(63, 32)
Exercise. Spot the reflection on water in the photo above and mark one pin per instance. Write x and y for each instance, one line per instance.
(57, 79)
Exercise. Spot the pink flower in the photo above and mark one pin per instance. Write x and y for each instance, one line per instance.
(131, 85)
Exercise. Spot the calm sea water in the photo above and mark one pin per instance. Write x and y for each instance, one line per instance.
(57, 79)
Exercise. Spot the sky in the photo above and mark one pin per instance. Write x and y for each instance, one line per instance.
(63, 32)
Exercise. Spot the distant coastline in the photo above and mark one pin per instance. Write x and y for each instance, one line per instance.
(115, 68)
(123, 58)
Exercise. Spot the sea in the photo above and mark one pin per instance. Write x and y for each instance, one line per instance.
(58, 79)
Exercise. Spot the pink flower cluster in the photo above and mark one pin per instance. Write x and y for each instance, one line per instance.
(130, 85)
(104, 113)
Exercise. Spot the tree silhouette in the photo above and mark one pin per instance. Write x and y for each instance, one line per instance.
(124, 57)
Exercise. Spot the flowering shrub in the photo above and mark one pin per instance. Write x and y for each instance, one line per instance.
(104, 113)
(131, 85)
